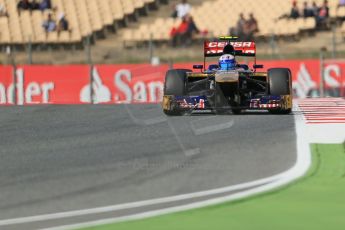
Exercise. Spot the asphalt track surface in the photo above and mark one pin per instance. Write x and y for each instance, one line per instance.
(63, 158)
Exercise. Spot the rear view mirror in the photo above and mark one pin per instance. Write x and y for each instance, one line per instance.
(258, 66)
(198, 66)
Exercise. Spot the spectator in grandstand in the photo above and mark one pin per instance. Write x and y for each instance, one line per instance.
(182, 9)
(178, 34)
(23, 5)
(45, 5)
(294, 13)
(49, 25)
(35, 5)
(250, 28)
(322, 16)
(325, 7)
(315, 9)
(62, 24)
(192, 29)
(3, 12)
(307, 11)
(240, 27)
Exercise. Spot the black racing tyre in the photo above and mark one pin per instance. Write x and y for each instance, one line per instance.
(175, 82)
(175, 85)
(279, 83)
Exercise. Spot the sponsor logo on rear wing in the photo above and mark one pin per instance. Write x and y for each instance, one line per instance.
(214, 49)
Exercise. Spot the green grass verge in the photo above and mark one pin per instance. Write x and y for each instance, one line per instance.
(316, 201)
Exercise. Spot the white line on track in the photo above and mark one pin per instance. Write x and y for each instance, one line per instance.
(299, 169)
(137, 204)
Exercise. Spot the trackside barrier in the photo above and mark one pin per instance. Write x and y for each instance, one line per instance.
(143, 83)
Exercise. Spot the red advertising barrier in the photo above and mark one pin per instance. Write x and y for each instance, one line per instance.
(71, 84)
(136, 83)
(127, 84)
(6, 85)
(51, 84)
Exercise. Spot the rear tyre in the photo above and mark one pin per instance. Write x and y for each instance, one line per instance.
(175, 85)
(280, 83)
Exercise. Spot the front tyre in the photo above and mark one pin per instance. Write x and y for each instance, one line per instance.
(280, 83)
(175, 85)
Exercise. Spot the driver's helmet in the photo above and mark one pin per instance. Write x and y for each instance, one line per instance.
(227, 62)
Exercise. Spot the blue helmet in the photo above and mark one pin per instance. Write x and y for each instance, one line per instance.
(227, 62)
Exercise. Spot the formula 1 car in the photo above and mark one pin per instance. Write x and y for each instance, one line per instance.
(221, 91)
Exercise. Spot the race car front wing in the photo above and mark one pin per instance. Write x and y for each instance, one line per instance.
(187, 103)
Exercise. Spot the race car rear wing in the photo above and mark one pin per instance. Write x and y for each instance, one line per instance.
(215, 49)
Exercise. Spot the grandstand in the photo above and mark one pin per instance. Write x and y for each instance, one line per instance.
(93, 17)
(224, 15)
(86, 17)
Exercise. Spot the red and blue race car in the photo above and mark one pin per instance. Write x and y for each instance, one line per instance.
(227, 85)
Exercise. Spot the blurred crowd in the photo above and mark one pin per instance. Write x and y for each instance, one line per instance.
(49, 24)
(34, 5)
(61, 24)
(245, 28)
(182, 35)
(320, 13)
